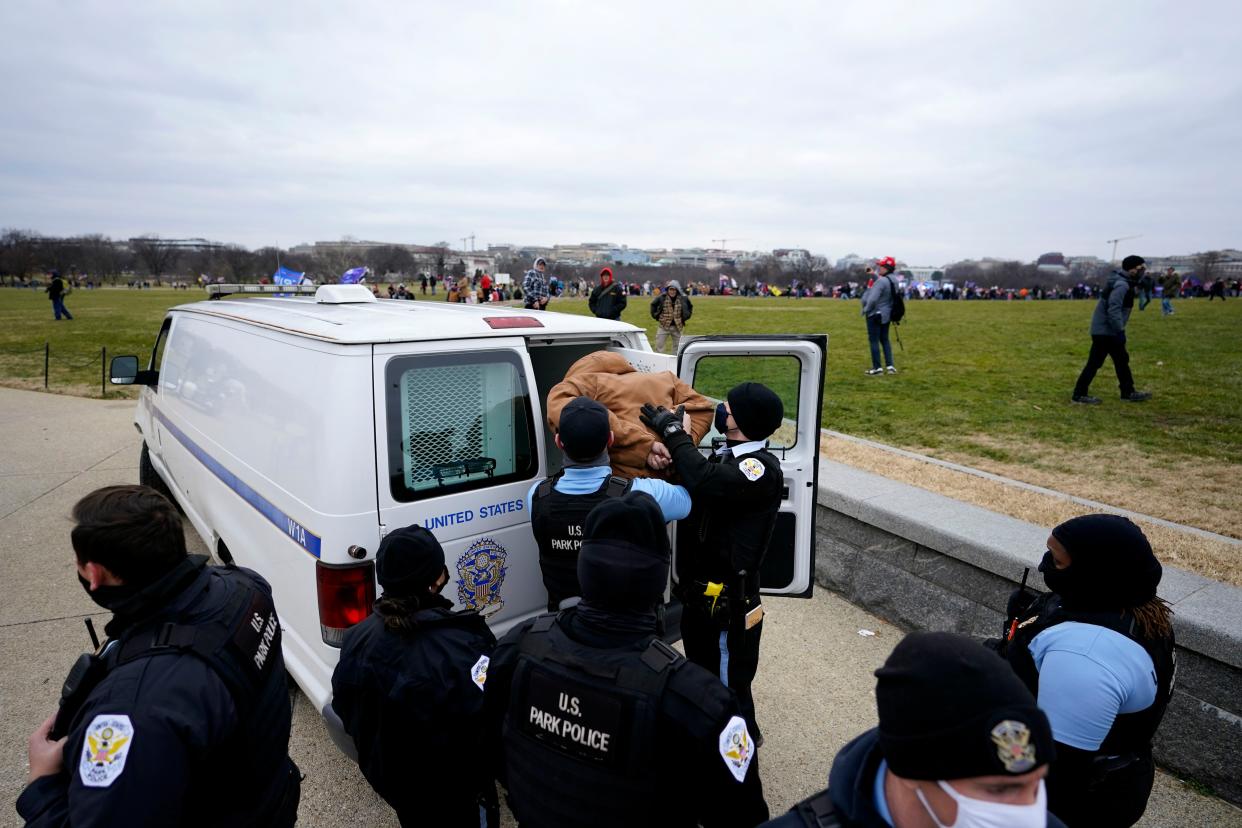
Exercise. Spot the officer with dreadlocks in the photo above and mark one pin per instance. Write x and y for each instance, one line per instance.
(601, 723)
(182, 716)
(1098, 653)
(409, 689)
(722, 544)
(559, 505)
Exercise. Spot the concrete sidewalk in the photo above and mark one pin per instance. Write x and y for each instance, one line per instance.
(813, 694)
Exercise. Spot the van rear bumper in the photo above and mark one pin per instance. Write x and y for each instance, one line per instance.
(336, 729)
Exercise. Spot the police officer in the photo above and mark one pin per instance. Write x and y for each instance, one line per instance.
(605, 725)
(1098, 653)
(960, 743)
(409, 689)
(182, 716)
(559, 505)
(722, 544)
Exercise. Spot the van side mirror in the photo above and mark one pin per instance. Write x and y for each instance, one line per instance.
(124, 371)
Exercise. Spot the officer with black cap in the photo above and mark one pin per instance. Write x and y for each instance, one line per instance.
(559, 505)
(960, 743)
(722, 544)
(187, 698)
(601, 723)
(409, 689)
(1098, 653)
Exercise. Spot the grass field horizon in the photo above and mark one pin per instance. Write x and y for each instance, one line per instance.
(984, 383)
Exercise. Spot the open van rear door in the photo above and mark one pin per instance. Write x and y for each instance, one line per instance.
(793, 367)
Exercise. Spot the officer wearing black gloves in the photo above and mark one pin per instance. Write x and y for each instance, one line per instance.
(1098, 653)
(559, 505)
(960, 743)
(721, 545)
(182, 716)
(601, 723)
(409, 689)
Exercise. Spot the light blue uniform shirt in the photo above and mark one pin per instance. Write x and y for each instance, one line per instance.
(881, 802)
(1088, 675)
(674, 500)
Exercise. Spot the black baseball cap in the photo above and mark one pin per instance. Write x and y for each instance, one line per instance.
(583, 428)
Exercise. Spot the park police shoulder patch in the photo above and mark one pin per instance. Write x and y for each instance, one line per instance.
(478, 673)
(752, 468)
(736, 748)
(108, 741)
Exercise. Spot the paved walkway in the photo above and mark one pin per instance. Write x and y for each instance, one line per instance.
(814, 691)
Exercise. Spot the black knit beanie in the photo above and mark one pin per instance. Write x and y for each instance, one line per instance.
(756, 409)
(624, 560)
(1112, 565)
(951, 709)
(1131, 262)
(409, 560)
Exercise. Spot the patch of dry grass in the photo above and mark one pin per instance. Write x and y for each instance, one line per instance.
(1196, 494)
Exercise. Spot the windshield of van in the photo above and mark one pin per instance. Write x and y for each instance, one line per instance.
(457, 422)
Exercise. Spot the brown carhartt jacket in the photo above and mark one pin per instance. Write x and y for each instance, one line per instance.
(610, 379)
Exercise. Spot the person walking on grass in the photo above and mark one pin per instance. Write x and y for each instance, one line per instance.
(671, 310)
(1171, 285)
(1108, 334)
(877, 309)
(56, 292)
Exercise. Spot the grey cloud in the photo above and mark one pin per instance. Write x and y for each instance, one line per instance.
(932, 132)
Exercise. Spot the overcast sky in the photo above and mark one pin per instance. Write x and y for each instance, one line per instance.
(927, 131)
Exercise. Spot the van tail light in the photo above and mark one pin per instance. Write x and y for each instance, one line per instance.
(346, 596)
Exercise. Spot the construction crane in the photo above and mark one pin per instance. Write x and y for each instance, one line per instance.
(465, 239)
(724, 242)
(1113, 242)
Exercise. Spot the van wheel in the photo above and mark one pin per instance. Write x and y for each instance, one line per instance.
(148, 476)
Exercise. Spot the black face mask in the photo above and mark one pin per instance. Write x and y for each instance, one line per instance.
(722, 419)
(107, 596)
(1060, 581)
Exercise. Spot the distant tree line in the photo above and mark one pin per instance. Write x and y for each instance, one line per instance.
(25, 254)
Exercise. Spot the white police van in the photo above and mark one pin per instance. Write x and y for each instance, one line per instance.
(294, 431)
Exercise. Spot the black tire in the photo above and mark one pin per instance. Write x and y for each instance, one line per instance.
(148, 476)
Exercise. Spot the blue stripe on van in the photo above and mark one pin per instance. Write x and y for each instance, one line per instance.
(296, 532)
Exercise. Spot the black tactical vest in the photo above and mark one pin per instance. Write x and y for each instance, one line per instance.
(241, 642)
(580, 733)
(557, 520)
(818, 812)
(1131, 732)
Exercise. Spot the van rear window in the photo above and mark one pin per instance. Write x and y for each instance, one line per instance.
(457, 422)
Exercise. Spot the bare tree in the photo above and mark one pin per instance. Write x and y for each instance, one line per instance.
(101, 258)
(239, 263)
(1207, 266)
(390, 259)
(156, 255)
(19, 254)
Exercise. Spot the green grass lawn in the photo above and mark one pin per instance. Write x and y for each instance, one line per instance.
(982, 379)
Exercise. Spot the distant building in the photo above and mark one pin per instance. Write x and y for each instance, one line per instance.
(184, 245)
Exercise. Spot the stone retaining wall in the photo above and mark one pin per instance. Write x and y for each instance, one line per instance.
(928, 562)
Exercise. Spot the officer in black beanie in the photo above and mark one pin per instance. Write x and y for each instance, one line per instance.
(722, 544)
(960, 743)
(603, 724)
(1098, 653)
(409, 690)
